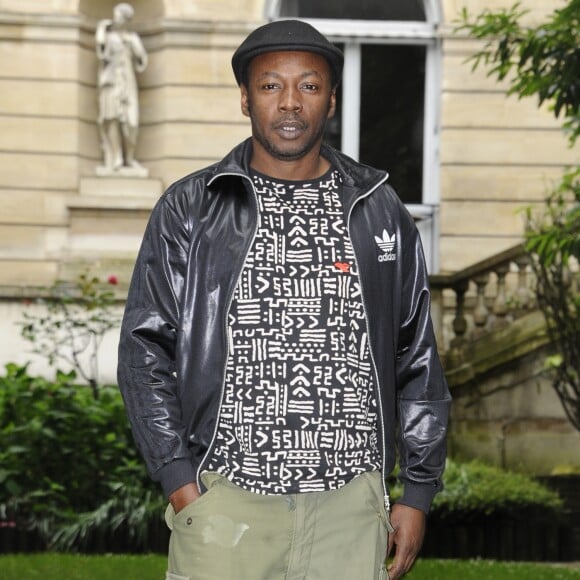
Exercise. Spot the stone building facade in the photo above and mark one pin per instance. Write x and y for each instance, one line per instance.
(482, 157)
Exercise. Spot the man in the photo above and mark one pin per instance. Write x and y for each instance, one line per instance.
(277, 328)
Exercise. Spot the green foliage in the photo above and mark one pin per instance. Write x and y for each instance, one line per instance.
(475, 488)
(62, 453)
(131, 514)
(542, 61)
(77, 316)
(554, 235)
(553, 241)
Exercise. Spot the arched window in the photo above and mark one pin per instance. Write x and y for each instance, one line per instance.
(388, 102)
(351, 9)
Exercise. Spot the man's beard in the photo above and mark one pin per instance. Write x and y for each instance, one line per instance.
(288, 153)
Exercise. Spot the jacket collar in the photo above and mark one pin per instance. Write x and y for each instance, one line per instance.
(358, 179)
(236, 162)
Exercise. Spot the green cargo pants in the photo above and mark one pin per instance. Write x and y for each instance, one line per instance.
(233, 534)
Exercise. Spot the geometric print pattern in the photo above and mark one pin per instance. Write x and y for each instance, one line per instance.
(299, 411)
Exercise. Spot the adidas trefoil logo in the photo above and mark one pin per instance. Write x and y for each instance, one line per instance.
(387, 245)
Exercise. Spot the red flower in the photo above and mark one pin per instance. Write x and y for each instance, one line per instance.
(113, 280)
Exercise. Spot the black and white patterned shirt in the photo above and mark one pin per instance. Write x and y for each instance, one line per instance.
(299, 411)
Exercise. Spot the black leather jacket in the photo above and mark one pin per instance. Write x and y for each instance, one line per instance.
(174, 347)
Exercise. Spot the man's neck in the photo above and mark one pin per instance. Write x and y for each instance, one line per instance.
(309, 167)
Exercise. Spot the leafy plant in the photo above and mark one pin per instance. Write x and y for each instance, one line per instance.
(476, 488)
(129, 514)
(542, 61)
(72, 328)
(553, 240)
(63, 453)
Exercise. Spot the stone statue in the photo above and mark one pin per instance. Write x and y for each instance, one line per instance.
(121, 55)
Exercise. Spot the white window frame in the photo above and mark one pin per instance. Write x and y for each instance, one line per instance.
(353, 34)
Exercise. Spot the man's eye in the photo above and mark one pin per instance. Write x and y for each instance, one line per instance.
(310, 87)
(269, 87)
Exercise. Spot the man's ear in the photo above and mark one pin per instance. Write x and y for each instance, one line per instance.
(332, 104)
(245, 101)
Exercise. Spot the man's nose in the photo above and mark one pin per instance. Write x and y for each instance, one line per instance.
(290, 100)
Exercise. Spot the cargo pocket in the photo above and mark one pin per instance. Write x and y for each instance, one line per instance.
(184, 515)
(186, 539)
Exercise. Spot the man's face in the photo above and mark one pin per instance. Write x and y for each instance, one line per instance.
(288, 97)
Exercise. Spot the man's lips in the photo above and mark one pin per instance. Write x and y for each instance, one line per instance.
(290, 128)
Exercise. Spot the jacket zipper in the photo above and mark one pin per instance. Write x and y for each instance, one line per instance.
(229, 338)
(387, 498)
(230, 299)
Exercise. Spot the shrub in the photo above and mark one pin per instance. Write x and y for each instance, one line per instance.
(474, 488)
(63, 453)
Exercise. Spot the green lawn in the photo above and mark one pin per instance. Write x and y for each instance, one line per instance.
(484, 569)
(70, 567)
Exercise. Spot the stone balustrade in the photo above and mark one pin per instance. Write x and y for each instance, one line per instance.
(485, 296)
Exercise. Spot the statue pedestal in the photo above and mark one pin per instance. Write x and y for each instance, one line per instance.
(137, 171)
(107, 219)
(121, 186)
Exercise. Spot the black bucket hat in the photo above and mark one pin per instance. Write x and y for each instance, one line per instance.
(290, 35)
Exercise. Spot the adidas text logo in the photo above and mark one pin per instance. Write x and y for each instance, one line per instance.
(387, 245)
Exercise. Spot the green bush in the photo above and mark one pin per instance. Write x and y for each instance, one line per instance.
(67, 461)
(475, 488)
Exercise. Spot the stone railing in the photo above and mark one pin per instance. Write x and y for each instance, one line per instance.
(483, 297)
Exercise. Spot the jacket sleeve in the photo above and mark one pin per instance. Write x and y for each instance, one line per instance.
(422, 394)
(147, 348)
